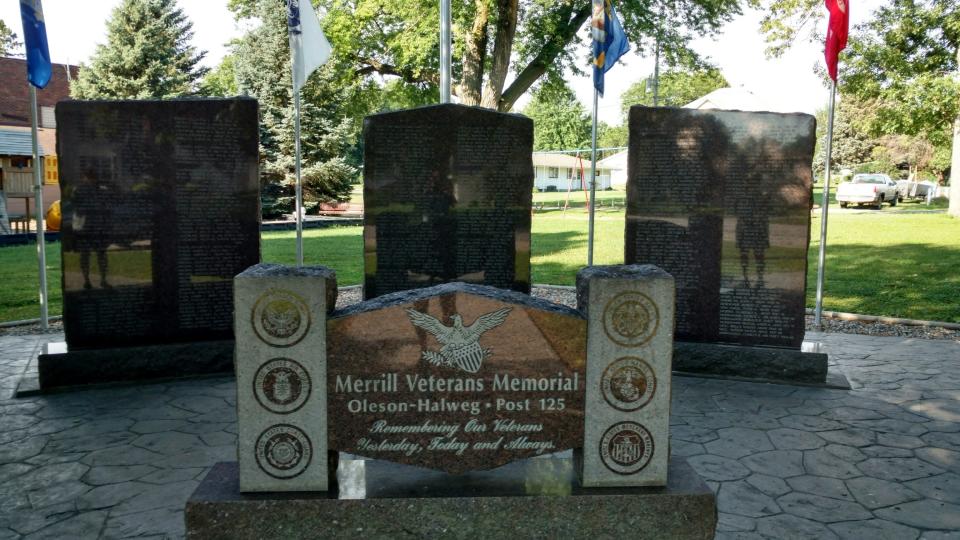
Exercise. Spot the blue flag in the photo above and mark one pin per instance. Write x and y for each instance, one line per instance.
(609, 40)
(35, 40)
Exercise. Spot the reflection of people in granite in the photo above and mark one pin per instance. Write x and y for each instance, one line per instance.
(92, 218)
(753, 226)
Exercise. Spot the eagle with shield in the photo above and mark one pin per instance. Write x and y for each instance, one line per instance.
(459, 345)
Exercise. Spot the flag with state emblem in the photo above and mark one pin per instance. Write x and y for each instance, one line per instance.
(609, 40)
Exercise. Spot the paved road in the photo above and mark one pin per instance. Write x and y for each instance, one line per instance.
(879, 461)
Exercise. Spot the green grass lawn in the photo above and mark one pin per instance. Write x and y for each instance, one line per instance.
(902, 265)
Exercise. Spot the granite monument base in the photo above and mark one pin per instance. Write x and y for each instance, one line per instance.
(772, 364)
(532, 498)
(58, 367)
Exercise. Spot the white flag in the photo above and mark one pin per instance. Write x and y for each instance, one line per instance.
(308, 46)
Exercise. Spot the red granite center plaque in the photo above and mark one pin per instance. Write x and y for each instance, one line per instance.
(456, 378)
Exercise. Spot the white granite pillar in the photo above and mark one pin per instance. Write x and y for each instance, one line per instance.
(280, 325)
(630, 312)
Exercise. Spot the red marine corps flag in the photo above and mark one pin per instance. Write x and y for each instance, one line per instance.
(837, 31)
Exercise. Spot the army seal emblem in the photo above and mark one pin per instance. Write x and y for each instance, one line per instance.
(628, 383)
(630, 319)
(626, 448)
(283, 451)
(280, 318)
(281, 385)
(459, 345)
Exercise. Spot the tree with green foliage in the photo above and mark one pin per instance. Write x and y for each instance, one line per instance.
(221, 80)
(399, 39)
(261, 65)
(9, 44)
(147, 55)
(612, 136)
(903, 63)
(560, 122)
(677, 87)
(852, 147)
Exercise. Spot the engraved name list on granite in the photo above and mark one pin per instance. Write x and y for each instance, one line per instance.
(160, 211)
(447, 194)
(721, 200)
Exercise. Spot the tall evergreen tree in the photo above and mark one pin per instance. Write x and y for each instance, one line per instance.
(262, 70)
(147, 55)
(9, 45)
(560, 122)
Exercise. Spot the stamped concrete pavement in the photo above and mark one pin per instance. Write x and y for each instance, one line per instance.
(879, 461)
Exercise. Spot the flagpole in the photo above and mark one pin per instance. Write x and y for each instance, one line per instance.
(824, 205)
(299, 185)
(38, 210)
(444, 51)
(593, 180)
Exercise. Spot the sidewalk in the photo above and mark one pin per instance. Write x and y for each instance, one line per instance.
(879, 461)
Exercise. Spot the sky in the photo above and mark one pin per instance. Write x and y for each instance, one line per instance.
(787, 84)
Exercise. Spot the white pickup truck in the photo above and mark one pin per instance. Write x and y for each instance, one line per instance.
(871, 189)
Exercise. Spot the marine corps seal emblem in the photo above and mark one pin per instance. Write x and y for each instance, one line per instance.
(628, 383)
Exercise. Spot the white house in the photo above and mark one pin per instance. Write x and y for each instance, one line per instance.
(560, 172)
(617, 165)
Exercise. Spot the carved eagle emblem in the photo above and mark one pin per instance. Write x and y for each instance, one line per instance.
(459, 344)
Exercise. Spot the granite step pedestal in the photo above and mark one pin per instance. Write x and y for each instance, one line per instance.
(60, 367)
(533, 498)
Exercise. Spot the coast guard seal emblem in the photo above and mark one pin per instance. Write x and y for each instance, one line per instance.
(630, 319)
(281, 385)
(628, 383)
(459, 345)
(280, 318)
(283, 451)
(626, 448)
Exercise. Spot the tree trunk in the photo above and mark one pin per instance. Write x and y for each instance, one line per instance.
(502, 47)
(538, 66)
(954, 209)
(955, 170)
(473, 56)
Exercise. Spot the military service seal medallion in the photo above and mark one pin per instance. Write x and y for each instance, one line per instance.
(628, 383)
(626, 448)
(283, 451)
(281, 385)
(280, 318)
(630, 319)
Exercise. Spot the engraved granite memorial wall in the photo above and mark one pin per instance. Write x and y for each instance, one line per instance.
(721, 200)
(160, 212)
(447, 195)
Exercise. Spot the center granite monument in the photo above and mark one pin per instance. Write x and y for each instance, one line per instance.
(447, 192)
(452, 409)
(721, 200)
(160, 211)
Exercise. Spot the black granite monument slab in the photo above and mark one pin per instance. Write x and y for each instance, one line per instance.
(721, 200)
(447, 197)
(160, 203)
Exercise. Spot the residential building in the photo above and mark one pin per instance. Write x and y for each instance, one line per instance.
(562, 172)
(16, 149)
